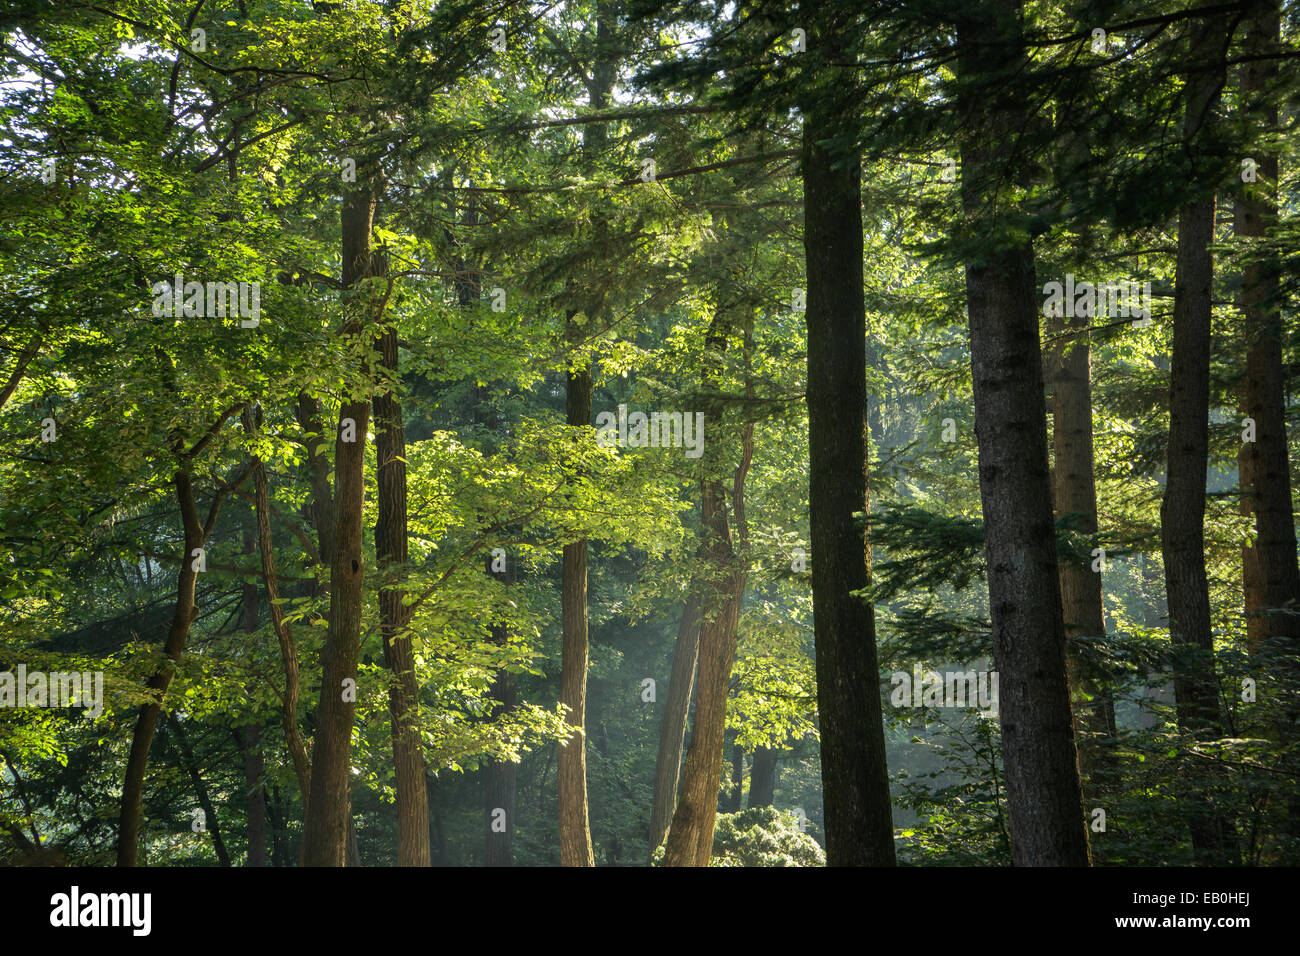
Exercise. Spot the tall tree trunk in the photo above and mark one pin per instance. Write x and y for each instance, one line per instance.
(762, 778)
(395, 619)
(690, 836)
(325, 830)
(855, 781)
(1044, 800)
(1272, 577)
(284, 636)
(128, 831)
(1182, 512)
(255, 789)
(1263, 463)
(1075, 494)
(672, 728)
(571, 761)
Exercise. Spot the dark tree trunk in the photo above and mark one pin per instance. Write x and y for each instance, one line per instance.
(325, 831)
(1265, 475)
(1044, 799)
(855, 781)
(672, 729)
(762, 778)
(255, 789)
(1182, 512)
(1271, 574)
(395, 619)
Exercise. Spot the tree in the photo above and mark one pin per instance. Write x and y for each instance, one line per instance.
(325, 830)
(1182, 512)
(859, 827)
(1044, 802)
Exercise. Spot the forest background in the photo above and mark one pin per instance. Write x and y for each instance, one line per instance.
(367, 584)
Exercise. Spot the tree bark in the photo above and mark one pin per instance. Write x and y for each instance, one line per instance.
(325, 830)
(255, 790)
(762, 778)
(1271, 575)
(1075, 496)
(672, 729)
(690, 836)
(395, 619)
(1044, 799)
(1263, 463)
(128, 833)
(284, 636)
(571, 761)
(1182, 512)
(29, 352)
(855, 781)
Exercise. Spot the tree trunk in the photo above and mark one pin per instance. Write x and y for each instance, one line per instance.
(855, 781)
(1075, 494)
(571, 761)
(690, 836)
(762, 778)
(255, 789)
(128, 832)
(1182, 512)
(395, 619)
(672, 729)
(1263, 463)
(284, 636)
(1272, 578)
(1044, 799)
(325, 830)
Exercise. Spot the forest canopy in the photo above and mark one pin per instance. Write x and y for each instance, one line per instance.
(634, 433)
